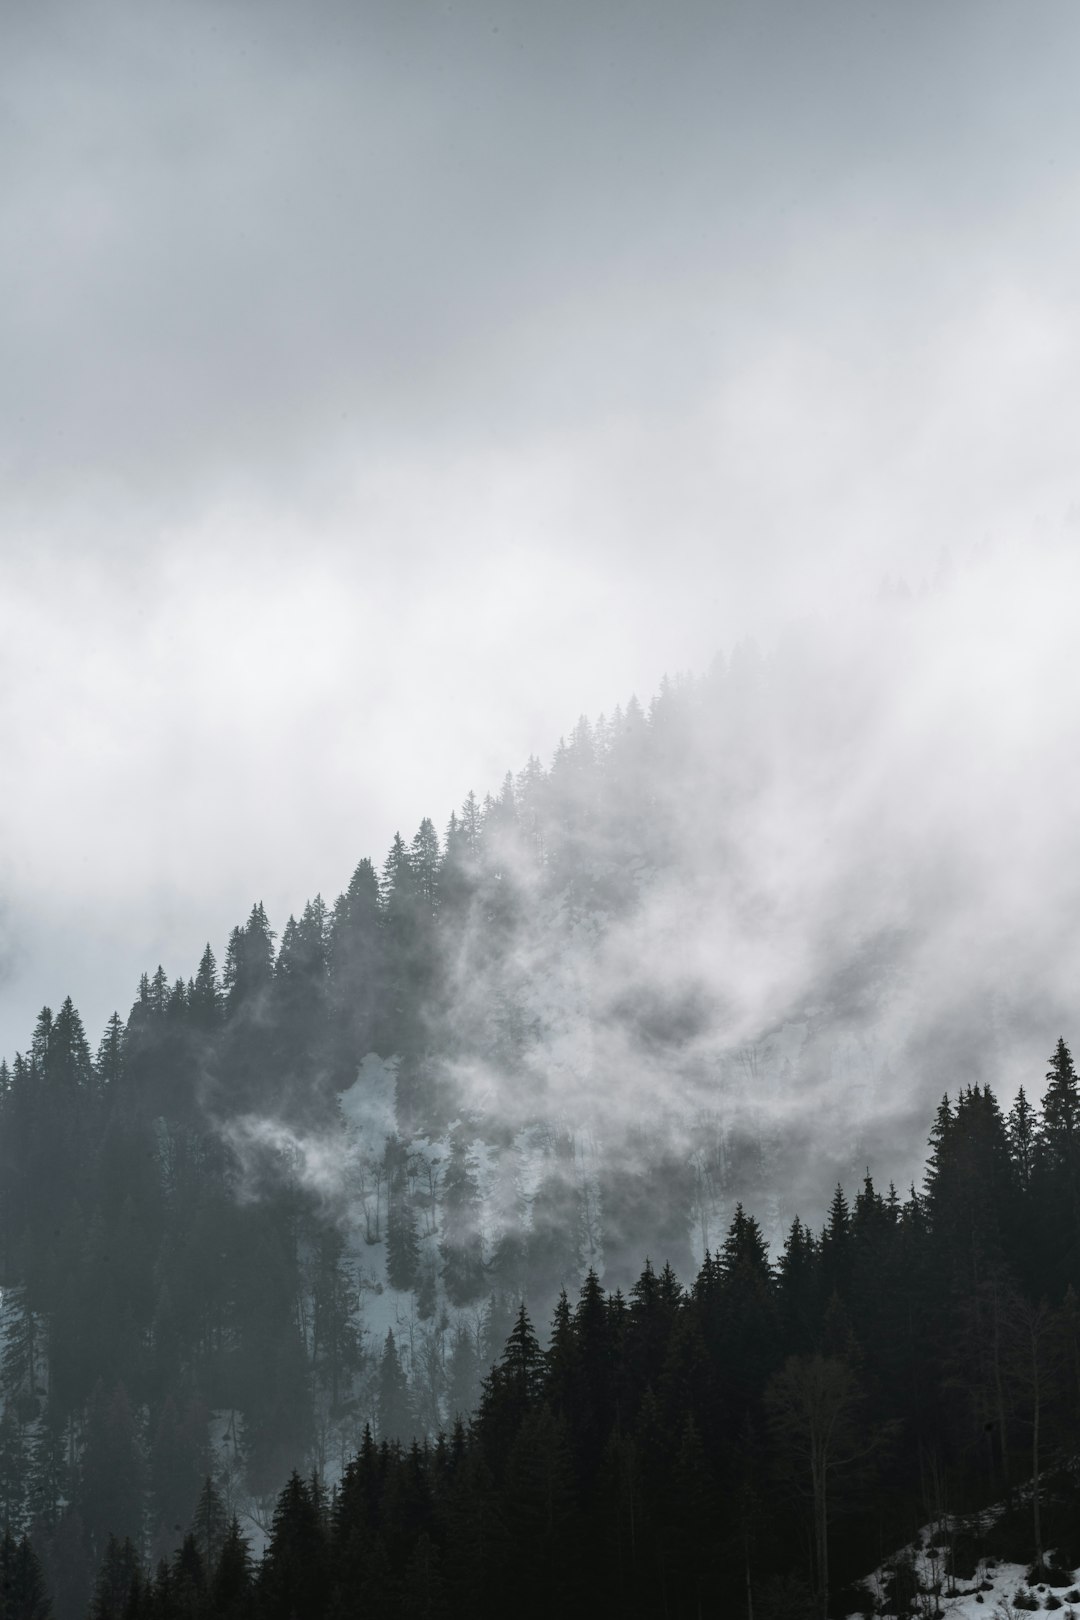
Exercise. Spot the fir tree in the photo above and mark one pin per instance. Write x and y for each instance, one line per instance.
(111, 1473)
(210, 1525)
(393, 1405)
(108, 1064)
(1060, 1134)
(522, 1365)
(204, 1000)
(294, 1576)
(461, 1246)
(1022, 1134)
(23, 1593)
(13, 1470)
(744, 1248)
(335, 1309)
(402, 1243)
(231, 1583)
(118, 1574)
(462, 1374)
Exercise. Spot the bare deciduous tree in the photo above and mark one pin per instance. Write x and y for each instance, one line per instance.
(813, 1404)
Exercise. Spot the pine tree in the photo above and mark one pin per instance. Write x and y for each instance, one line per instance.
(111, 1472)
(1022, 1133)
(69, 1063)
(109, 1062)
(538, 1501)
(940, 1145)
(555, 1241)
(231, 1583)
(522, 1365)
(462, 1374)
(41, 1041)
(13, 1472)
(970, 1198)
(357, 973)
(210, 1525)
(294, 1577)
(402, 1242)
(798, 1289)
(71, 1569)
(424, 863)
(744, 1248)
(393, 1405)
(48, 1474)
(278, 1402)
(1060, 1134)
(335, 1350)
(204, 999)
(836, 1245)
(694, 1512)
(423, 1587)
(23, 1595)
(249, 961)
(177, 1458)
(21, 1355)
(457, 874)
(461, 1246)
(189, 1578)
(119, 1571)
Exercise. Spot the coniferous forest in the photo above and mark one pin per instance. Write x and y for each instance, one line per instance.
(450, 1170)
(317, 1302)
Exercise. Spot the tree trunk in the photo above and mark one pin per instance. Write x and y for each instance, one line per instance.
(749, 1587)
(1035, 1393)
(999, 1394)
(821, 1533)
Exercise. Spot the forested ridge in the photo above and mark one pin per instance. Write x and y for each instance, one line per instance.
(760, 1435)
(301, 1207)
(178, 1298)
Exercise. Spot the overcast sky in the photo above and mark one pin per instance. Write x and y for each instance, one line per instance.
(383, 385)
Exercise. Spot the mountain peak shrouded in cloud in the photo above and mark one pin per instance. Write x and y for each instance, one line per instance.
(390, 389)
(819, 885)
(779, 909)
(385, 384)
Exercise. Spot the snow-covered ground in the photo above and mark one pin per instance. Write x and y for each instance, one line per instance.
(505, 1179)
(996, 1591)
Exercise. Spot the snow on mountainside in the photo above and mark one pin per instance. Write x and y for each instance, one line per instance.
(946, 1572)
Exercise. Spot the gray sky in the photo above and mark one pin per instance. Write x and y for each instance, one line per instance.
(384, 385)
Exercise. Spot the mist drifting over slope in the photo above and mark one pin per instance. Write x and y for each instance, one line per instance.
(850, 887)
(388, 384)
(737, 947)
(746, 939)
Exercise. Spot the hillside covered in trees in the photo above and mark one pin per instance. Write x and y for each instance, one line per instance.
(693, 967)
(747, 1443)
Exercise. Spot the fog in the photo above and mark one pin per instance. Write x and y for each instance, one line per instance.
(832, 879)
(385, 386)
(869, 897)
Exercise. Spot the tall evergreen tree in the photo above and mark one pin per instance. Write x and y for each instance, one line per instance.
(1060, 1134)
(402, 1242)
(109, 1061)
(23, 1594)
(1022, 1134)
(111, 1474)
(294, 1577)
(335, 1350)
(204, 1000)
(393, 1404)
(461, 1246)
(231, 1582)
